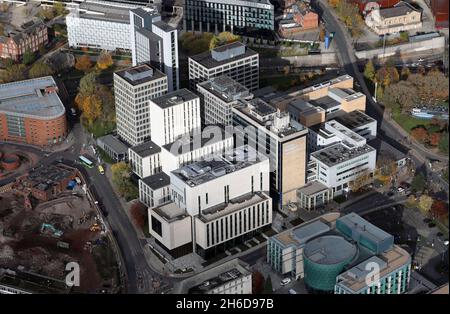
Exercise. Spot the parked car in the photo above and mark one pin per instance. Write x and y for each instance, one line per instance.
(285, 281)
(292, 291)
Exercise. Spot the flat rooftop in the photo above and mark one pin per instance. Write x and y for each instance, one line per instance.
(325, 102)
(214, 277)
(226, 88)
(325, 84)
(206, 58)
(164, 26)
(140, 74)
(354, 279)
(114, 143)
(298, 235)
(174, 98)
(35, 98)
(340, 152)
(312, 188)
(185, 145)
(264, 115)
(203, 171)
(235, 204)
(157, 180)
(146, 149)
(330, 250)
(353, 119)
(170, 212)
(103, 12)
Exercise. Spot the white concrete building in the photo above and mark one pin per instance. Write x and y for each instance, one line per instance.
(226, 198)
(99, 25)
(154, 41)
(219, 95)
(339, 164)
(232, 277)
(189, 149)
(234, 60)
(145, 159)
(133, 88)
(155, 190)
(174, 115)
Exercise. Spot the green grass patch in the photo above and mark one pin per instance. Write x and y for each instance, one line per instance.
(408, 122)
(101, 128)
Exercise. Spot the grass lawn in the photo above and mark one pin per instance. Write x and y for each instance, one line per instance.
(408, 122)
(100, 128)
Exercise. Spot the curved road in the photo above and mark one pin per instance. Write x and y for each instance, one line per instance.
(387, 131)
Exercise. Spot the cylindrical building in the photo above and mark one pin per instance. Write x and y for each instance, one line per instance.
(325, 258)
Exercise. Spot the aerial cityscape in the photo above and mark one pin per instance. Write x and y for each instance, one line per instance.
(256, 147)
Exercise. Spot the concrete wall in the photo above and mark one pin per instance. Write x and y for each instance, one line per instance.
(434, 43)
(313, 60)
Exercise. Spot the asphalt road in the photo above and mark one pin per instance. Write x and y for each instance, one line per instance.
(386, 131)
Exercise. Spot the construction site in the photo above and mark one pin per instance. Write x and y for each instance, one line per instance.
(39, 237)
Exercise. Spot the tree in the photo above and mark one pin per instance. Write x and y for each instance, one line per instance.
(405, 73)
(47, 14)
(435, 138)
(104, 61)
(420, 133)
(138, 214)
(13, 72)
(333, 3)
(361, 180)
(92, 108)
(40, 69)
(88, 84)
(268, 286)
(443, 143)
(222, 39)
(59, 7)
(402, 94)
(121, 180)
(2, 29)
(439, 209)
(369, 71)
(418, 183)
(257, 282)
(386, 166)
(28, 57)
(83, 63)
(425, 203)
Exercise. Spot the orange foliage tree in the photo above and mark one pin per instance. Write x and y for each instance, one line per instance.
(439, 209)
(435, 138)
(83, 63)
(420, 134)
(137, 211)
(104, 61)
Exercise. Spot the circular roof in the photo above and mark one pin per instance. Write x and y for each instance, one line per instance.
(329, 250)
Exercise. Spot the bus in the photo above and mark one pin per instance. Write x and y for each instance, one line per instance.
(100, 169)
(86, 162)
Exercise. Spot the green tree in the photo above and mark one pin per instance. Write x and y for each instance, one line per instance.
(40, 69)
(418, 183)
(369, 71)
(268, 286)
(13, 73)
(28, 57)
(121, 179)
(443, 143)
(222, 39)
(60, 8)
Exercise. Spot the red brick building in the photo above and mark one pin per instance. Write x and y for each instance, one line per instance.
(306, 18)
(440, 12)
(32, 36)
(31, 112)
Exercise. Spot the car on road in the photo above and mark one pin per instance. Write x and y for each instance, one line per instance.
(446, 242)
(292, 291)
(285, 281)
(73, 111)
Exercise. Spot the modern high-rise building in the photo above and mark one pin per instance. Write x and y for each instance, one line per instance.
(219, 16)
(174, 115)
(278, 137)
(215, 204)
(156, 42)
(219, 95)
(234, 60)
(335, 254)
(133, 88)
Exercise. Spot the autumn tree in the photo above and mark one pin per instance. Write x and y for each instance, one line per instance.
(83, 63)
(403, 94)
(369, 71)
(386, 166)
(222, 39)
(387, 75)
(257, 282)
(439, 210)
(420, 134)
(87, 99)
(40, 69)
(361, 180)
(405, 73)
(104, 61)
(333, 3)
(425, 203)
(59, 8)
(138, 214)
(121, 179)
(435, 139)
